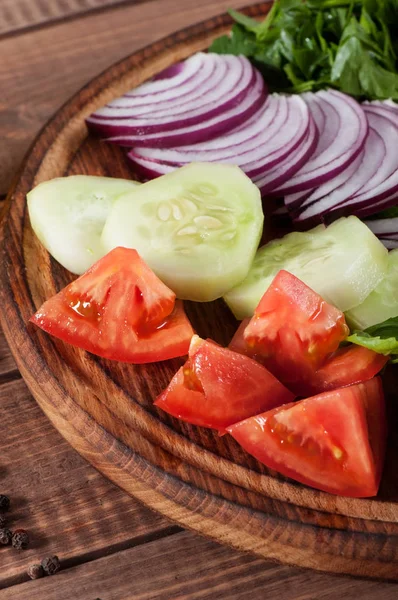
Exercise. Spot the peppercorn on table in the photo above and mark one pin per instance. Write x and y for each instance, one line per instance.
(109, 547)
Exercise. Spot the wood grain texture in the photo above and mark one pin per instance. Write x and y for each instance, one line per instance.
(105, 410)
(8, 367)
(68, 508)
(19, 15)
(39, 75)
(189, 567)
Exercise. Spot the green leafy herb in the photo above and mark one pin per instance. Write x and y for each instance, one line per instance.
(351, 45)
(381, 338)
(389, 213)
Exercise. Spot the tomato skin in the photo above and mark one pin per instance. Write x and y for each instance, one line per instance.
(377, 424)
(217, 387)
(333, 441)
(119, 310)
(292, 331)
(347, 366)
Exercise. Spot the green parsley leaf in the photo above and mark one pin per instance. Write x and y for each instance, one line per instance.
(239, 42)
(381, 338)
(351, 45)
(389, 213)
(248, 23)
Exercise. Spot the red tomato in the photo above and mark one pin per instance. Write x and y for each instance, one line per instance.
(120, 310)
(346, 366)
(292, 331)
(334, 442)
(217, 387)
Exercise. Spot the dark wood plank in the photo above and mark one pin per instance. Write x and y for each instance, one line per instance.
(68, 507)
(187, 567)
(8, 367)
(44, 67)
(19, 15)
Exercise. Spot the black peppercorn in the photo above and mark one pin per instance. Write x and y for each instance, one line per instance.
(51, 565)
(20, 539)
(3, 521)
(5, 536)
(35, 571)
(4, 503)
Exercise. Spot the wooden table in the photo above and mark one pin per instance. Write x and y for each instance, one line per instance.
(111, 547)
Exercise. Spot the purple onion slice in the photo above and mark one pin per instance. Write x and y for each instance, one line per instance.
(341, 139)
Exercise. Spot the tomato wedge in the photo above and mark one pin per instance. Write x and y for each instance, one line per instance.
(217, 387)
(120, 310)
(334, 442)
(346, 366)
(292, 331)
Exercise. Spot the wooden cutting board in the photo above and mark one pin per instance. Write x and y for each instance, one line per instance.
(105, 409)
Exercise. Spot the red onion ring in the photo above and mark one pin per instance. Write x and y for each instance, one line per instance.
(340, 141)
(373, 185)
(225, 121)
(239, 82)
(292, 163)
(265, 140)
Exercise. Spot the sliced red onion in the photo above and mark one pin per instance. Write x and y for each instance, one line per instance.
(289, 154)
(273, 114)
(150, 169)
(208, 129)
(197, 85)
(237, 85)
(273, 147)
(333, 192)
(162, 83)
(116, 120)
(387, 228)
(293, 201)
(389, 244)
(382, 187)
(367, 210)
(202, 90)
(264, 142)
(386, 105)
(335, 182)
(326, 135)
(372, 157)
(292, 163)
(374, 185)
(169, 72)
(281, 211)
(374, 207)
(341, 140)
(162, 88)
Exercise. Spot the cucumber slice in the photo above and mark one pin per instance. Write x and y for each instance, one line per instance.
(343, 263)
(198, 228)
(68, 215)
(382, 303)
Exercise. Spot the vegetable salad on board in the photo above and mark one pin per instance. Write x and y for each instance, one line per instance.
(290, 122)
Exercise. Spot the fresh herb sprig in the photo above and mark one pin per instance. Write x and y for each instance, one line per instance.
(381, 338)
(306, 45)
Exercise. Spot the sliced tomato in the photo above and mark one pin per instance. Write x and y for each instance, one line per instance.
(334, 442)
(346, 366)
(292, 331)
(120, 310)
(240, 345)
(217, 387)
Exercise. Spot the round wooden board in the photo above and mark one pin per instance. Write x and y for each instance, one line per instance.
(105, 410)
